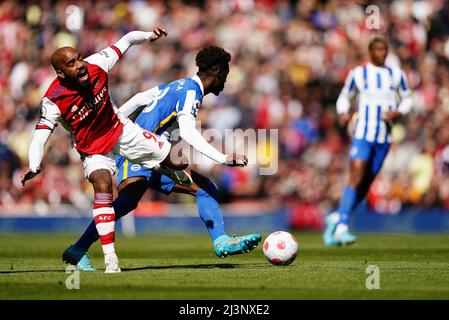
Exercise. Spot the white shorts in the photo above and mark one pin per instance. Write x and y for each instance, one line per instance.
(99, 161)
(135, 144)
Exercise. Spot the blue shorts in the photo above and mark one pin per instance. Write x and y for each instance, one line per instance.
(155, 181)
(371, 152)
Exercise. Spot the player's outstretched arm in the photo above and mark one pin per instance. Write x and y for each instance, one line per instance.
(138, 37)
(107, 58)
(192, 136)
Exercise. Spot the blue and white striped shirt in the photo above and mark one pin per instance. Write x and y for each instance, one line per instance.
(379, 90)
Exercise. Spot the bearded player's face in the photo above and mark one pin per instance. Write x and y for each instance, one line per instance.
(74, 68)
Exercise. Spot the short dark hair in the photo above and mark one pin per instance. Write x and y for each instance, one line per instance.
(211, 57)
(375, 39)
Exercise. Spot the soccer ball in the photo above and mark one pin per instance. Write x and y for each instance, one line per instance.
(280, 248)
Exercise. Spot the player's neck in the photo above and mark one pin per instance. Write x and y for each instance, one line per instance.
(378, 65)
(72, 86)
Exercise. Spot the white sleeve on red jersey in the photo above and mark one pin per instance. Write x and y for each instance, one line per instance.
(49, 115)
(36, 150)
(107, 58)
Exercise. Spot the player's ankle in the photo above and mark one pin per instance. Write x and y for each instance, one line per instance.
(108, 249)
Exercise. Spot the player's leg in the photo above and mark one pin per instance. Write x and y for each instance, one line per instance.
(350, 200)
(104, 217)
(380, 152)
(361, 182)
(206, 194)
(132, 184)
(369, 171)
(130, 192)
(336, 231)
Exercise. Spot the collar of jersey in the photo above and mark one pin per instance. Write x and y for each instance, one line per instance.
(198, 80)
(372, 65)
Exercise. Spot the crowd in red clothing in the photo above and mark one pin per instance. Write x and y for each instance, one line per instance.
(289, 61)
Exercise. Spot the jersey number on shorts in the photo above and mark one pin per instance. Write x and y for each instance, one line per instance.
(149, 135)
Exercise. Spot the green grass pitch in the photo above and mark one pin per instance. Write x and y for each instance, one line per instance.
(185, 267)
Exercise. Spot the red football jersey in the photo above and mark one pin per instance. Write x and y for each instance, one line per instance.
(86, 112)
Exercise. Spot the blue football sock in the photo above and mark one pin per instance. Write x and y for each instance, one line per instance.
(209, 210)
(348, 202)
(122, 205)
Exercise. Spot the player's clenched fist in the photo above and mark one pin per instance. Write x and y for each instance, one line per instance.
(236, 161)
(157, 33)
(28, 175)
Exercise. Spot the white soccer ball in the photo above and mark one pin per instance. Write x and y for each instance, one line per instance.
(280, 248)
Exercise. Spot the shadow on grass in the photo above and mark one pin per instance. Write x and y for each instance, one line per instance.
(184, 266)
(193, 266)
(31, 271)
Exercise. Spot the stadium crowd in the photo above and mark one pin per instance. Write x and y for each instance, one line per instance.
(289, 61)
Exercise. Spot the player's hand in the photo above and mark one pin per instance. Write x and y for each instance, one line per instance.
(29, 174)
(391, 117)
(236, 161)
(157, 33)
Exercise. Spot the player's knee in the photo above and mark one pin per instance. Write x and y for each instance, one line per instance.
(356, 183)
(102, 187)
(131, 192)
(356, 178)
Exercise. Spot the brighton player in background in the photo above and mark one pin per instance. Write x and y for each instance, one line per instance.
(378, 87)
(79, 99)
(173, 112)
